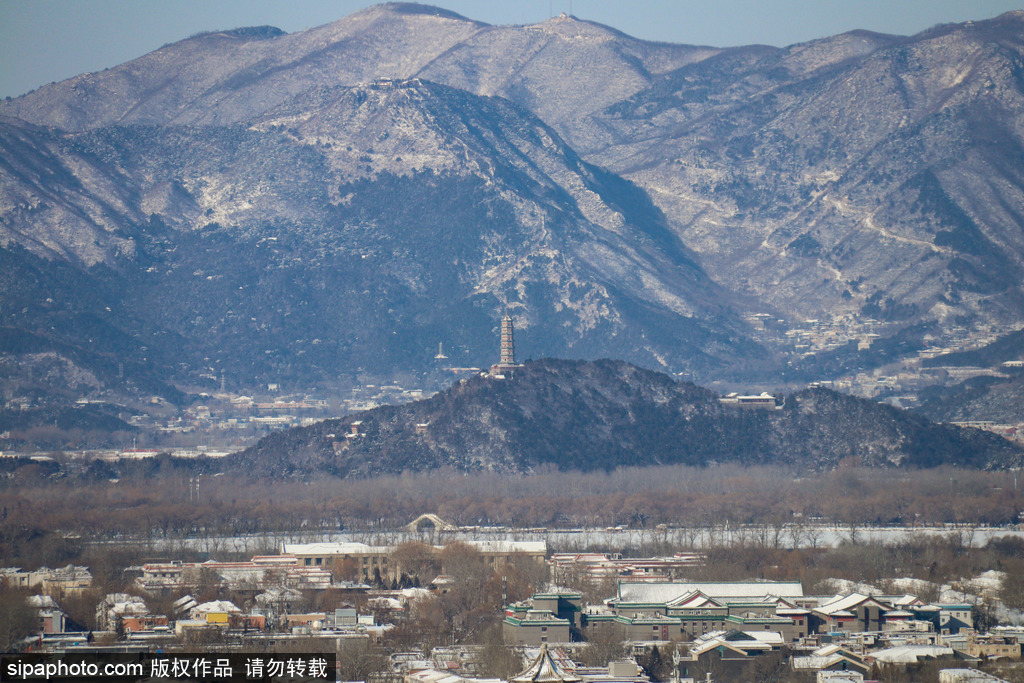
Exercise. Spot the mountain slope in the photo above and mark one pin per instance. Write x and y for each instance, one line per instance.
(608, 414)
(880, 181)
(227, 77)
(348, 231)
(856, 177)
(994, 399)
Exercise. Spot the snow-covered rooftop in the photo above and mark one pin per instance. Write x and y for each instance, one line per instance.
(911, 654)
(667, 592)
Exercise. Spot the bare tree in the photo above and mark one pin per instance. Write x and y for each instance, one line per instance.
(494, 659)
(604, 644)
(18, 619)
(361, 661)
(416, 559)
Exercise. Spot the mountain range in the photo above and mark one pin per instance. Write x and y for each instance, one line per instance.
(256, 206)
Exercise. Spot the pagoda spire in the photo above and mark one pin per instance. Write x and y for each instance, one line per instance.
(508, 346)
(506, 365)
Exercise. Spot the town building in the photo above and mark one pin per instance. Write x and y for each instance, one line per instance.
(992, 646)
(163, 578)
(728, 652)
(116, 608)
(834, 658)
(372, 561)
(762, 401)
(690, 610)
(601, 567)
(51, 618)
(552, 617)
(69, 580)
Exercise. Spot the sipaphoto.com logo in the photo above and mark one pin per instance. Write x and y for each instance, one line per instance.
(72, 667)
(101, 667)
(57, 669)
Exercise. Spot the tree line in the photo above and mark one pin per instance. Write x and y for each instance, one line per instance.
(42, 519)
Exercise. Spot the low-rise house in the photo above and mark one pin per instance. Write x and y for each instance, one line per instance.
(51, 618)
(344, 617)
(69, 580)
(657, 595)
(955, 617)
(832, 658)
(247, 622)
(992, 646)
(946, 618)
(552, 617)
(217, 612)
(185, 628)
(114, 608)
(313, 621)
(162, 578)
(799, 620)
(749, 623)
(762, 401)
(729, 652)
(652, 629)
(850, 613)
(641, 630)
(369, 561)
(281, 600)
(144, 622)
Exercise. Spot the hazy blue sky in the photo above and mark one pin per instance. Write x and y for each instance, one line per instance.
(50, 40)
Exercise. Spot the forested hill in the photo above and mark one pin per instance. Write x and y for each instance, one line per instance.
(582, 415)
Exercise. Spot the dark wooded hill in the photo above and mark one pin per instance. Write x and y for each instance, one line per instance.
(583, 415)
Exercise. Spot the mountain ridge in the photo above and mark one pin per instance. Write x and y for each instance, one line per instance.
(586, 415)
(663, 193)
(333, 197)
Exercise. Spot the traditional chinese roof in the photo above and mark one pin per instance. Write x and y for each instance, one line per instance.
(841, 605)
(696, 599)
(544, 670)
(662, 593)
